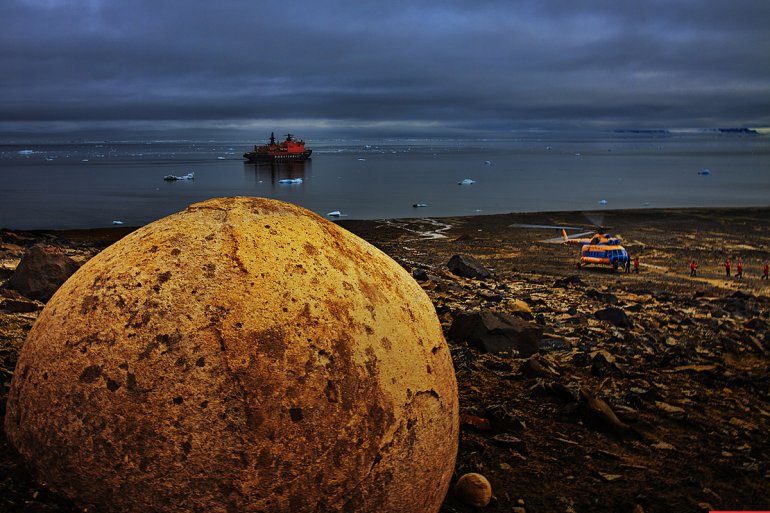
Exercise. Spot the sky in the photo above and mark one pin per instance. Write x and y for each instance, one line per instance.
(410, 67)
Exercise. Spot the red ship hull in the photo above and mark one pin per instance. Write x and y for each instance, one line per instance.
(290, 149)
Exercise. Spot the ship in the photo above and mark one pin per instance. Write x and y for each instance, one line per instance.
(289, 149)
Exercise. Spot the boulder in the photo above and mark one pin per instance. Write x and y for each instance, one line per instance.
(496, 332)
(242, 355)
(41, 271)
(473, 489)
(615, 316)
(468, 267)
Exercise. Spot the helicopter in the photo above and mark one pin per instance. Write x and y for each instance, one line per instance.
(601, 249)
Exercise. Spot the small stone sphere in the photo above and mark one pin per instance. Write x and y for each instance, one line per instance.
(244, 355)
(473, 489)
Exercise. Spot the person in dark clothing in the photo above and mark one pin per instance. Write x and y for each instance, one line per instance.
(739, 269)
(627, 265)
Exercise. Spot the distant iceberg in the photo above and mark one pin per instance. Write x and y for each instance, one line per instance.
(290, 180)
(419, 205)
(336, 213)
(174, 178)
(602, 202)
(466, 181)
(704, 172)
(25, 152)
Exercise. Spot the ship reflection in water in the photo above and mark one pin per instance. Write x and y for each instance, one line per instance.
(280, 172)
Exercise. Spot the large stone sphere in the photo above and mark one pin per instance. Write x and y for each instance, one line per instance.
(244, 355)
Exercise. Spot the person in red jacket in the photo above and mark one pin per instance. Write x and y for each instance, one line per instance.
(739, 269)
(765, 270)
(636, 265)
(693, 268)
(727, 267)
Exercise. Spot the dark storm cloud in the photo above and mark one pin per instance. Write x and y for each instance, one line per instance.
(453, 63)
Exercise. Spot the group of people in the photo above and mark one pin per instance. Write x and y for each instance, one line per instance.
(728, 268)
(627, 265)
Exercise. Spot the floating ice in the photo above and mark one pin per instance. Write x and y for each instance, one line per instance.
(602, 202)
(220, 158)
(117, 222)
(25, 152)
(466, 181)
(488, 162)
(419, 205)
(174, 178)
(290, 180)
(704, 172)
(335, 213)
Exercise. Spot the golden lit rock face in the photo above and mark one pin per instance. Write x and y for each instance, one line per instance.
(243, 355)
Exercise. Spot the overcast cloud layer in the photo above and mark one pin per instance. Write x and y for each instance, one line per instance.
(433, 65)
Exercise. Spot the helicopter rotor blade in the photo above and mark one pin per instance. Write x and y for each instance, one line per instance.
(596, 219)
(562, 240)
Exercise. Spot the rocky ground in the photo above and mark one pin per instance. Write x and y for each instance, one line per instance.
(642, 392)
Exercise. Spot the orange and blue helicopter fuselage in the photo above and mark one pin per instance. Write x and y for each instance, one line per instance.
(601, 249)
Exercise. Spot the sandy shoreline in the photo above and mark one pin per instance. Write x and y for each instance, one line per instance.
(688, 379)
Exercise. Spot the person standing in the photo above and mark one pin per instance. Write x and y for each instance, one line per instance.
(636, 264)
(727, 267)
(765, 270)
(739, 269)
(693, 268)
(627, 265)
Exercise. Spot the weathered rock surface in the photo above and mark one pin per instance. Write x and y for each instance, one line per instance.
(41, 272)
(243, 355)
(468, 267)
(615, 316)
(496, 332)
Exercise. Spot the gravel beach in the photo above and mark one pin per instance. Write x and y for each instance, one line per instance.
(637, 392)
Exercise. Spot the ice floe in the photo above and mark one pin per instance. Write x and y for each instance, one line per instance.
(174, 178)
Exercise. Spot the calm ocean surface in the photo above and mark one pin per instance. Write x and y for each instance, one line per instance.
(88, 185)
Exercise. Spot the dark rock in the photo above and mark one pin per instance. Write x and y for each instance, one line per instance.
(420, 274)
(605, 297)
(741, 295)
(41, 272)
(551, 344)
(614, 316)
(601, 416)
(490, 296)
(19, 306)
(468, 267)
(563, 283)
(532, 368)
(603, 364)
(504, 418)
(508, 440)
(496, 332)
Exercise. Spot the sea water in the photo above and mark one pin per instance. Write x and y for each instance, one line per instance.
(96, 184)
